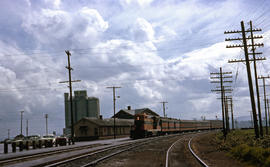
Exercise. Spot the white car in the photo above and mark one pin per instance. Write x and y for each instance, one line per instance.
(49, 137)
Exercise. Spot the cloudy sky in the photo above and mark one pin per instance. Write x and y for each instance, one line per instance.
(155, 50)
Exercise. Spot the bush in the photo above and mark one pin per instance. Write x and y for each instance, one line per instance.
(243, 145)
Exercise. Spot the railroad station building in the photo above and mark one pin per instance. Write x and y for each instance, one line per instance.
(90, 128)
(83, 106)
(93, 128)
(129, 113)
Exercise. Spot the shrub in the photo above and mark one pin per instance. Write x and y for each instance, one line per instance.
(243, 145)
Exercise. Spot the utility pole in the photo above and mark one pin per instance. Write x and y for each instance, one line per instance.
(46, 118)
(251, 118)
(8, 133)
(27, 127)
(227, 114)
(230, 102)
(256, 77)
(232, 113)
(114, 99)
(221, 76)
(267, 101)
(265, 105)
(70, 94)
(163, 104)
(21, 120)
(247, 60)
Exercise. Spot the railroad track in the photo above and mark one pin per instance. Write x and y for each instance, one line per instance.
(196, 156)
(96, 155)
(41, 154)
(189, 148)
(94, 158)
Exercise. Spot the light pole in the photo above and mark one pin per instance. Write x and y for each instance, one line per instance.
(27, 127)
(21, 120)
(8, 133)
(46, 117)
(114, 99)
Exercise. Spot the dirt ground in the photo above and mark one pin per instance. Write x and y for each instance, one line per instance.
(154, 155)
(206, 149)
(180, 154)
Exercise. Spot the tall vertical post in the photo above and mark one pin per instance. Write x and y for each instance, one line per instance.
(227, 114)
(251, 119)
(265, 103)
(46, 118)
(220, 76)
(164, 108)
(21, 120)
(8, 133)
(27, 127)
(114, 129)
(256, 80)
(232, 114)
(268, 109)
(222, 101)
(70, 93)
(247, 60)
(250, 81)
(114, 99)
(265, 108)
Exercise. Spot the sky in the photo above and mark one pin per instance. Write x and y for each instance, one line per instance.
(155, 50)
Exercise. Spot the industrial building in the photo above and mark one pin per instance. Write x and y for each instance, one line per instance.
(93, 128)
(83, 106)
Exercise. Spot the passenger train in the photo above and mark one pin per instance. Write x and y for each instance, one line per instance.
(149, 125)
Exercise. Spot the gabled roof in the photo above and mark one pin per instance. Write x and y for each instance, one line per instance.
(131, 113)
(108, 121)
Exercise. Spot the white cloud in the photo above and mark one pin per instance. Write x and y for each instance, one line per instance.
(47, 25)
(196, 64)
(54, 3)
(51, 26)
(142, 30)
(140, 3)
(94, 19)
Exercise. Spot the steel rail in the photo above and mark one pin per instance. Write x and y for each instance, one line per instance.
(86, 155)
(41, 154)
(49, 153)
(111, 155)
(168, 151)
(196, 156)
(136, 144)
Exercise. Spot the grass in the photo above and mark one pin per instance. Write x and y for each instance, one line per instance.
(242, 145)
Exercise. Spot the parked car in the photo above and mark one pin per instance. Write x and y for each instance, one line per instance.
(8, 141)
(49, 140)
(33, 139)
(18, 139)
(61, 140)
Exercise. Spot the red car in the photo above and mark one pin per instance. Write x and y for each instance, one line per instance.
(62, 141)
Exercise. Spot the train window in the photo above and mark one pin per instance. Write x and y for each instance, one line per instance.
(155, 122)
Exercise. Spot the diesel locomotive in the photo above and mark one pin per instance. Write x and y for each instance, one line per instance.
(149, 125)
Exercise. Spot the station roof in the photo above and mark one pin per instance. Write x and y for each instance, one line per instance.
(129, 114)
(108, 121)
